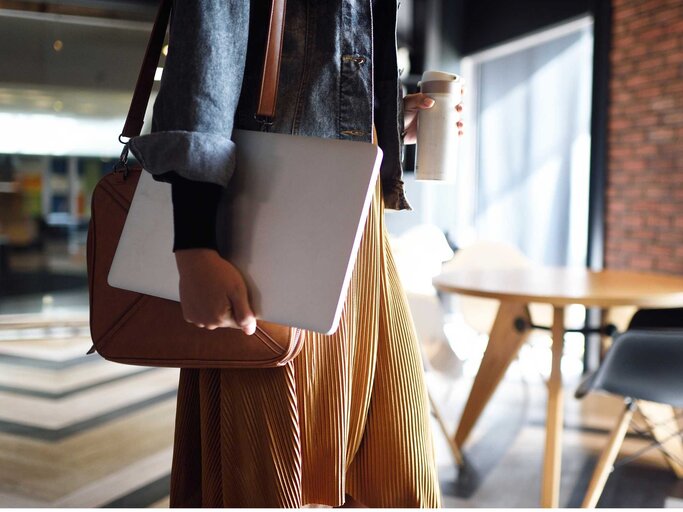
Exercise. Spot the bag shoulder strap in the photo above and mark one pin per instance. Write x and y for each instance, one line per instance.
(271, 64)
(145, 81)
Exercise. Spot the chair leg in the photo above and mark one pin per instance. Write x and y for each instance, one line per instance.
(455, 450)
(663, 424)
(606, 460)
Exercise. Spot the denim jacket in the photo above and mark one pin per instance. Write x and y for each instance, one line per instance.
(338, 75)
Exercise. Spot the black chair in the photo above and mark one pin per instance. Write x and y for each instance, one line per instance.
(644, 365)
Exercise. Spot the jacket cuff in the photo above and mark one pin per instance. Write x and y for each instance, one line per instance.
(394, 195)
(196, 156)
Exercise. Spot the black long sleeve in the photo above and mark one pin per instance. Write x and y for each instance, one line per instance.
(194, 212)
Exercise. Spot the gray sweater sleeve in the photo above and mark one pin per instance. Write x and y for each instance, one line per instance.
(193, 114)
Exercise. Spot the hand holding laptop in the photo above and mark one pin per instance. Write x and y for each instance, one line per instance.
(212, 291)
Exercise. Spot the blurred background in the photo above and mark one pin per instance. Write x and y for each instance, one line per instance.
(571, 158)
(66, 81)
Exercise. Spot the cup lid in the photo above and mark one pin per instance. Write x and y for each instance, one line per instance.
(428, 76)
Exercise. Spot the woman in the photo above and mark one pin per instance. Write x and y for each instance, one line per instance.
(347, 422)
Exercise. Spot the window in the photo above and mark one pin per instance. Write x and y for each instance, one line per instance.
(525, 172)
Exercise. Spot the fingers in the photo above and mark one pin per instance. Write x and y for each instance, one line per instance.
(242, 313)
(248, 325)
(212, 319)
(416, 101)
(236, 314)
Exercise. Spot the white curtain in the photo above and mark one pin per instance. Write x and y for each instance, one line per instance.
(532, 149)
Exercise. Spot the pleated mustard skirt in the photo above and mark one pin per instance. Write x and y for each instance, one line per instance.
(348, 416)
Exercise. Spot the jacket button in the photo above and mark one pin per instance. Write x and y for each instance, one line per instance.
(360, 59)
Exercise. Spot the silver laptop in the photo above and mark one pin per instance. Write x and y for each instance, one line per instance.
(293, 233)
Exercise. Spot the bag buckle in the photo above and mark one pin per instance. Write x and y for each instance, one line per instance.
(265, 121)
(123, 159)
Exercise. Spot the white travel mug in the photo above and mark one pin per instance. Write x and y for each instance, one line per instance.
(438, 144)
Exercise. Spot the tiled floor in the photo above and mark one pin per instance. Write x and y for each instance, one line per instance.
(78, 431)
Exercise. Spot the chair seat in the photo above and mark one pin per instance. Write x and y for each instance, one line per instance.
(642, 364)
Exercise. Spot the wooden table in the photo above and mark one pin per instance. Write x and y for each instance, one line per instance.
(559, 287)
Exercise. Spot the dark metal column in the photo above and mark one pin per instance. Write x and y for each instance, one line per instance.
(602, 34)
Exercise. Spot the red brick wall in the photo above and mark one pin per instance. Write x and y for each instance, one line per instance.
(644, 215)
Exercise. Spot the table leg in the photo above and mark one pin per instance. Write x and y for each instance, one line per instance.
(503, 345)
(662, 422)
(550, 490)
